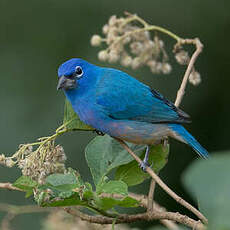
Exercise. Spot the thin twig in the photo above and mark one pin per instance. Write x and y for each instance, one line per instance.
(199, 47)
(9, 186)
(164, 186)
(151, 195)
(143, 202)
(125, 218)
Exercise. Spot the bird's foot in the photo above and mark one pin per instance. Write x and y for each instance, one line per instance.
(98, 132)
(143, 165)
(164, 142)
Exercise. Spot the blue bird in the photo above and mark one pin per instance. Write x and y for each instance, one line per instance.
(117, 104)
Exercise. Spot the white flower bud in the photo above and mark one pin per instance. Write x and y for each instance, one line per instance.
(103, 55)
(111, 36)
(136, 63)
(96, 40)
(158, 67)
(9, 162)
(112, 20)
(182, 57)
(194, 78)
(113, 56)
(2, 158)
(127, 39)
(105, 28)
(152, 63)
(149, 44)
(126, 61)
(136, 47)
(166, 68)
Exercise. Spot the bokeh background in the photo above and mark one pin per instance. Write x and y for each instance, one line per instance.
(37, 36)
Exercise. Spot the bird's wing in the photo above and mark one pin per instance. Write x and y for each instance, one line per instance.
(125, 98)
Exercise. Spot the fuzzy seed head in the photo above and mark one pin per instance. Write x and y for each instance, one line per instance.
(132, 44)
(166, 68)
(9, 163)
(2, 159)
(105, 29)
(48, 160)
(195, 78)
(136, 47)
(136, 63)
(113, 56)
(112, 20)
(96, 40)
(126, 61)
(103, 55)
(158, 67)
(182, 57)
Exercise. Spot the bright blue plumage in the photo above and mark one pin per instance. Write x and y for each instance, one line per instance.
(113, 102)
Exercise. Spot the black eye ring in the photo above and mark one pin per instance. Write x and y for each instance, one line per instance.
(78, 71)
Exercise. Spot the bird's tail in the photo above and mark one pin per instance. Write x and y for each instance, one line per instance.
(180, 133)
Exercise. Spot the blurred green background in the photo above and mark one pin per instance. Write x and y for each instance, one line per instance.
(37, 36)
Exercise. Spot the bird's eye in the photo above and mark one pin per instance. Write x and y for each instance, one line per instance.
(78, 71)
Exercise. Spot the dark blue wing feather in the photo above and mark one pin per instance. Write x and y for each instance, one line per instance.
(125, 98)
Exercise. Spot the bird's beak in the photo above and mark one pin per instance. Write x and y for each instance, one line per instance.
(66, 83)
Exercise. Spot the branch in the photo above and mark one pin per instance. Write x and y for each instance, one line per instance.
(124, 218)
(151, 195)
(14, 210)
(143, 202)
(199, 48)
(164, 186)
(9, 186)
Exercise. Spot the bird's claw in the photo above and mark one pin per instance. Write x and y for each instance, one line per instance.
(143, 165)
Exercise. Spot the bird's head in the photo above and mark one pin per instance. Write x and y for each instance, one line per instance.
(72, 72)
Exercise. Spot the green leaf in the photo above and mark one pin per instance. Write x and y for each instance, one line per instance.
(131, 173)
(104, 153)
(74, 122)
(64, 190)
(88, 192)
(209, 182)
(70, 201)
(29, 193)
(106, 203)
(114, 187)
(25, 183)
(129, 202)
(59, 179)
(63, 185)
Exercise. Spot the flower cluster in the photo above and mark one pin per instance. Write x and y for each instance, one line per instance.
(130, 40)
(132, 45)
(39, 164)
